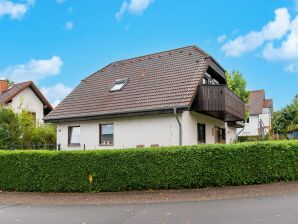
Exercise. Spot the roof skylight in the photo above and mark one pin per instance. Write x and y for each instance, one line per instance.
(118, 85)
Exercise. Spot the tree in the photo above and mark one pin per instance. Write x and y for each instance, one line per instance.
(22, 129)
(286, 119)
(10, 131)
(237, 84)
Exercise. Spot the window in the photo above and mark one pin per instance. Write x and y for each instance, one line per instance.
(201, 133)
(74, 135)
(33, 114)
(209, 80)
(118, 85)
(106, 134)
(215, 82)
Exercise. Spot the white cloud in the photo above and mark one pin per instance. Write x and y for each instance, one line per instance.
(14, 10)
(55, 94)
(221, 38)
(288, 49)
(69, 25)
(134, 6)
(33, 70)
(292, 67)
(273, 30)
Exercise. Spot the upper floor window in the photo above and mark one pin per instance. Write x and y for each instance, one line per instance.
(209, 80)
(74, 135)
(266, 111)
(118, 85)
(106, 134)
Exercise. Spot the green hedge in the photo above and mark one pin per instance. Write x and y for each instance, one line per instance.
(152, 168)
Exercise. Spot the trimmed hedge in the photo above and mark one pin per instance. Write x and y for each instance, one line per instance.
(152, 168)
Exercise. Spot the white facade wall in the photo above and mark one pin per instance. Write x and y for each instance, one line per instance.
(252, 128)
(143, 130)
(189, 127)
(128, 132)
(27, 100)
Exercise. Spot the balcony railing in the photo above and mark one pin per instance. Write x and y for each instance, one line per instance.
(220, 102)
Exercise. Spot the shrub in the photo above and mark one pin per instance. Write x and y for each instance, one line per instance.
(152, 168)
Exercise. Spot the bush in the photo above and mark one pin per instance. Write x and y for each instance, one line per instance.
(152, 168)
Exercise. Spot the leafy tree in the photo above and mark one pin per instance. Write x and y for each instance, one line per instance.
(10, 131)
(286, 119)
(22, 129)
(237, 84)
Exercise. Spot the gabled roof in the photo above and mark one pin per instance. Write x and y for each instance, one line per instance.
(7, 95)
(159, 81)
(257, 102)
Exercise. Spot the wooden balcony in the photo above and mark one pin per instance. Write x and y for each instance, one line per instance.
(220, 102)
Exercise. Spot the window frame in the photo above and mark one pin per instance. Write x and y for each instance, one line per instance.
(199, 133)
(123, 83)
(100, 134)
(70, 134)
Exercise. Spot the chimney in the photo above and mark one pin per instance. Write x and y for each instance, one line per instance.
(3, 85)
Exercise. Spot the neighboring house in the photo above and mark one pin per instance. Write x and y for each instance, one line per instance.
(260, 115)
(176, 97)
(24, 96)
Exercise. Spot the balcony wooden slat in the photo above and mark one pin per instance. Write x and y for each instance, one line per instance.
(220, 102)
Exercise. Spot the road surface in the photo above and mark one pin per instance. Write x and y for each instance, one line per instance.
(263, 209)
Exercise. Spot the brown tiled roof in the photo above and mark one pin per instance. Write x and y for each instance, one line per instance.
(157, 81)
(15, 89)
(257, 102)
(268, 103)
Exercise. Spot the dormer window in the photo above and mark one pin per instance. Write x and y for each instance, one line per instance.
(118, 85)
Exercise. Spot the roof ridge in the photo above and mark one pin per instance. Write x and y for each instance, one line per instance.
(161, 52)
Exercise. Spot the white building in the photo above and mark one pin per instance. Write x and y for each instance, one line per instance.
(260, 115)
(176, 97)
(24, 96)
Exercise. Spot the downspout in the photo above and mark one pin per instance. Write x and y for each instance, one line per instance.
(180, 127)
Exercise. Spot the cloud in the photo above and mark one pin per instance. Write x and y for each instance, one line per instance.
(55, 94)
(293, 68)
(288, 49)
(69, 25)
(14, 10)
(273, 30)
(221, 38)
(34, 70)
(134, 6)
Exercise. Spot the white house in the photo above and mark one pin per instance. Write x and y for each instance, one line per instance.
(260, 115)
(24, 96)
(176, 97)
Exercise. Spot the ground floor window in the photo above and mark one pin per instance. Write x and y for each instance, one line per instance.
(106, 134)
(220, 135)
(74, 135)
(201, 133)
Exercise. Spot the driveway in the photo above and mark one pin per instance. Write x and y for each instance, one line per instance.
(274, 203)
(266, 209)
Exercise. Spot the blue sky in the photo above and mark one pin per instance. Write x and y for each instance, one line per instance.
(57, 43)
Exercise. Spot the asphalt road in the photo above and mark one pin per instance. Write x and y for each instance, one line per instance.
(268, 209)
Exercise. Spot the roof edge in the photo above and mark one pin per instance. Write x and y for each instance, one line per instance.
(114, 115)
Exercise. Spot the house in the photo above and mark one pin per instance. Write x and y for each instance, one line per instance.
(293, 134)
(260, 115)
(176, 97)
(24, 96)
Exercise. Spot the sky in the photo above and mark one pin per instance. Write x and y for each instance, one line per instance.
(57, 43)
